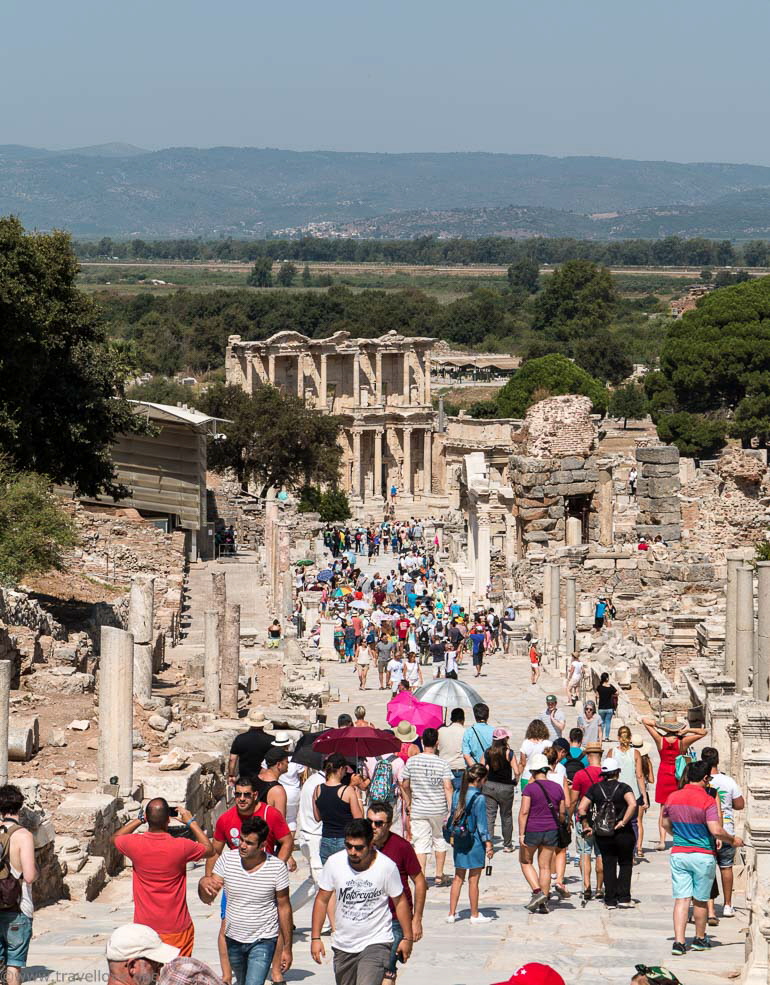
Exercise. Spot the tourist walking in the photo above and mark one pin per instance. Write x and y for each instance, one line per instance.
(553, 719)
(471, 841)
(692, 817)
(542, 809)
(249, 748)
(18, 872)
(403, 856)
(535, 740)
(500, 786)
(605, 813)
(426, 786)
(385, 650)
(534, 661)
(135, 955)
(363, 881)
(257, 906)
(478, 737)
(672, 739)
(590, 723)
(160, 870)
(450, 745)
(309, 829)
(575, 673)
(607, 695)
(335, 806)
(582, 782)
(731, 800)
(631, 771)
(648, 775)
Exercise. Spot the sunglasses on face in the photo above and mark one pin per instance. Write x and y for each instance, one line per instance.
(379, 824)
(354, 848)
(243, 796)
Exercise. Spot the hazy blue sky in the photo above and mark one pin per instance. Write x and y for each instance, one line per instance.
(682, 80)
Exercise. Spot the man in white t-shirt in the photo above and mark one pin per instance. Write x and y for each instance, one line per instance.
(426, 786)
(553, 719)
(309, 830)
(362, 880)
(731, 798)
(395, 669)
(257, 888)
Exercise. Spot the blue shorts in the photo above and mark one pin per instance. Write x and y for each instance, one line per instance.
(15, 935)
(726, 856)
(223, 907)
(692, 875)
(586, 846)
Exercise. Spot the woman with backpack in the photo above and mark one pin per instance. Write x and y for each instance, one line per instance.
(469, 837)
(500, 786)
(606, 812)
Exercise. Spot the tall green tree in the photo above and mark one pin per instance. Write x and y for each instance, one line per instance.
(307, 280)
(524, 275)
(628, 402)
(272, 438)
(261, 273)
(61, 386)
(549, 376)
(578, 299)
(695, 435)
(286, 274)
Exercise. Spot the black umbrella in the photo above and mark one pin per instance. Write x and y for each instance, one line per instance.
(305, 754)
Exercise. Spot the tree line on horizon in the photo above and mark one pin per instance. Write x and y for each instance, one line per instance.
(428, 250)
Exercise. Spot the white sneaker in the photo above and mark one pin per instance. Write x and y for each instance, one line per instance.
(728, 911)
(451, 918)
(481, 919)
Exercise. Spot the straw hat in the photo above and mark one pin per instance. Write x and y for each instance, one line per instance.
(670, 725)
(257, 717)
(405, 732)
(282, 739)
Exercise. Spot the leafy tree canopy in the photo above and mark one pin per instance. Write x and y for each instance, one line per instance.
(524, 275)
(628, 401)
(274, 439)
(695, 435)
(61, 389)
(548, 376)
(578, 299)
(161, 390)
(261, 273)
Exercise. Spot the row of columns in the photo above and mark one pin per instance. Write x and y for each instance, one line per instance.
(552, 637)
(306, 368)
(406, 445)
(747, 645)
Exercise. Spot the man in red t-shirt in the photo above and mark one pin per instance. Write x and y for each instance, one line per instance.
(160, 871)
(402, 631)
(401, 853)
(582, 782)
(227, 832)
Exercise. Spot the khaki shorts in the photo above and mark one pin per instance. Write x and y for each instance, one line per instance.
(427, 835)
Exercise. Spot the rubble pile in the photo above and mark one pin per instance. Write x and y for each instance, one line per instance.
(728, 505)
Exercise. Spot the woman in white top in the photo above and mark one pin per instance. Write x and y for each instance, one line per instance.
(291, 781)
(574, 677)
(412, 671)
(535, 740)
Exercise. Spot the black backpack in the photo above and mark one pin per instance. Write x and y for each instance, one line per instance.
(604, 815)
(10, 887)
(572, 766)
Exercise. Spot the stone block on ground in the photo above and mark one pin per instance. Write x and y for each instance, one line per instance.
(86, 883)
(179, 787)
(658, 455)
(23, 738)
(59, 680)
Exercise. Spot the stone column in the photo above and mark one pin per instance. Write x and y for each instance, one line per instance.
(378, 380)
(555, 631)
(483, 574)
(427, 462)
(310, 608)
(271, 368)
(211, 635)
(377, 484)
(326, 649)
(301, 375)
(744, 626)
(408, 461)
(546, 633)
(116, 708)
(734, 559)
(323, 396)
(606, 512)
(762, 668)
(219, 600)
(472, 537)
(426, 381)
(230, 663)
(405, 389)
(570, 584)
(140, 625)
(574, 532)
(284, 601)
(356, 379)
(5, 697)
(356, 484)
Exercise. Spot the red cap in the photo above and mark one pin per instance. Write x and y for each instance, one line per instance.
(534, 973)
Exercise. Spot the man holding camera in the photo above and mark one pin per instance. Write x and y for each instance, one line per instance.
(160, 870)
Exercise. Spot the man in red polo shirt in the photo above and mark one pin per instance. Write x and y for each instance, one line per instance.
(402, 631)
(582, 782)
(160, 871)
(401, 853)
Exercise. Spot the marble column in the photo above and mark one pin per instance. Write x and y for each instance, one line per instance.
(323, 395)
(356, 380)
(574, 532)
(570, 586)
(140, 624)
(211, 635)
(427, 462)
(219, 600)
(326, 649)
(483, 557)
(377, 435)
(744, 626)
(5, 699)
(378, 380)
(407, 432)
(762, 668)
(555, 631)
(116, 708)
(230, 661)
(271, 368)
(734, 559)
(606, 512)
(356, 478)
(301, 375)
(546, 633)
(405, 389)
(426, 381)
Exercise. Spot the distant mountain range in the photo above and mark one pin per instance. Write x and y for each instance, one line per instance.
(120, 190)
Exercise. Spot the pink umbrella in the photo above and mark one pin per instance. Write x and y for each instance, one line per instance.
(422, 714)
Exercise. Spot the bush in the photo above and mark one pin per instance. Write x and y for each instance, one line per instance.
(334, 506)
(549, 376)
(694, 435)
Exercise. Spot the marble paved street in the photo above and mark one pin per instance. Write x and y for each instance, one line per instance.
(587, 944)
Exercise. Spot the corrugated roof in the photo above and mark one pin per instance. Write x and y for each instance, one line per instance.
(169, 412)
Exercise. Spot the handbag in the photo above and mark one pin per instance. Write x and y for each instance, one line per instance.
(459, 833)
(563, 829)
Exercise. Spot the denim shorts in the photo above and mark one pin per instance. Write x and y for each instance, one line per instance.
(726, 856)
(15, 935)
(536, 839)
(692, 875)
(329, 847)
(586, 846)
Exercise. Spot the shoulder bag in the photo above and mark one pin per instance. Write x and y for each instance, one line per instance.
(563, 829)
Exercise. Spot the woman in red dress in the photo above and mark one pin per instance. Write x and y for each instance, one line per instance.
(671, 739)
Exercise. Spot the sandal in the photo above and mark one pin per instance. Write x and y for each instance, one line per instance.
(562, 891)
(440, 881)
